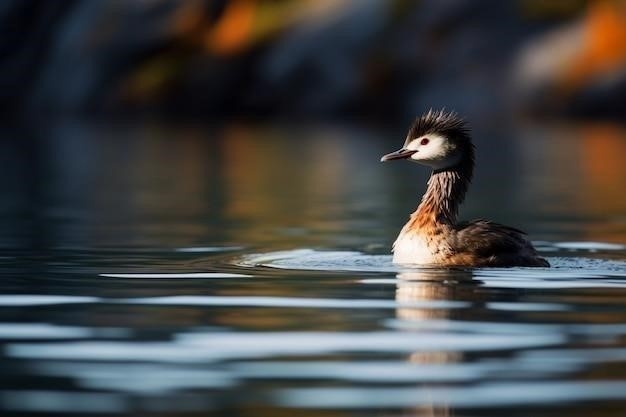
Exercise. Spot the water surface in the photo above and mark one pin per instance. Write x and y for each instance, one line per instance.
(242, 271)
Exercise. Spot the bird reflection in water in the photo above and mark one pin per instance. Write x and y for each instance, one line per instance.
(426, 287)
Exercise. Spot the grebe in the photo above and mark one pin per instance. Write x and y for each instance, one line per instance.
(441, 141)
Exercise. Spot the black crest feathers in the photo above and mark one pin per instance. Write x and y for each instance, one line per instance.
(441, 122)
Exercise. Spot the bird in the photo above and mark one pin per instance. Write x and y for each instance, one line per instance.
(441, 140)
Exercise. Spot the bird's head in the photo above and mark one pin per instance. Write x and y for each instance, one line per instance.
(437, 139)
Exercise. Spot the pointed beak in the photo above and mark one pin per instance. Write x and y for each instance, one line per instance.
(400, 154)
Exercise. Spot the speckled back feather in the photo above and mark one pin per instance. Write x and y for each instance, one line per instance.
(493, 244)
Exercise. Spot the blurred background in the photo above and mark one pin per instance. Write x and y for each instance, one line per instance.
(212, 60)
(124, 115)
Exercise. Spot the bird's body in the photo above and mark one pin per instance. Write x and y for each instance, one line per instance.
(432, 235)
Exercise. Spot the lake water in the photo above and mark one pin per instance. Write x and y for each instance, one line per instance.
(149, 270)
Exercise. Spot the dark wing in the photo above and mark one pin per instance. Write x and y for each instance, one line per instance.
(495, 244)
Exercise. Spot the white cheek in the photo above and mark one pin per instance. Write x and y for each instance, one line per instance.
(433, 154)
(428, 153)
(414, 145)
(434, 149)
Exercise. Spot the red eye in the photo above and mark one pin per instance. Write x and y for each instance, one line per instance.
(424, 141)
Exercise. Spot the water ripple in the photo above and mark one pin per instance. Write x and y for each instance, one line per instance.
(23, 300)
(484, 395)
(175, 275)
(299, 302)
(42, 331)
(353, 261)
(202, 347)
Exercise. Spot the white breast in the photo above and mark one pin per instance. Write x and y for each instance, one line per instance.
(413, 248)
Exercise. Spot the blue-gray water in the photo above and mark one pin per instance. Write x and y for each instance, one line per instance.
(246, 271)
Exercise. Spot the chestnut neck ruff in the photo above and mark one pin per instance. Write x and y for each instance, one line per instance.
(445, 192)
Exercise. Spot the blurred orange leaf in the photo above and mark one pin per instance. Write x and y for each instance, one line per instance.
(233, 31)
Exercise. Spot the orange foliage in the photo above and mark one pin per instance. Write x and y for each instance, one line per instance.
(604, 48)
(233, 31)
